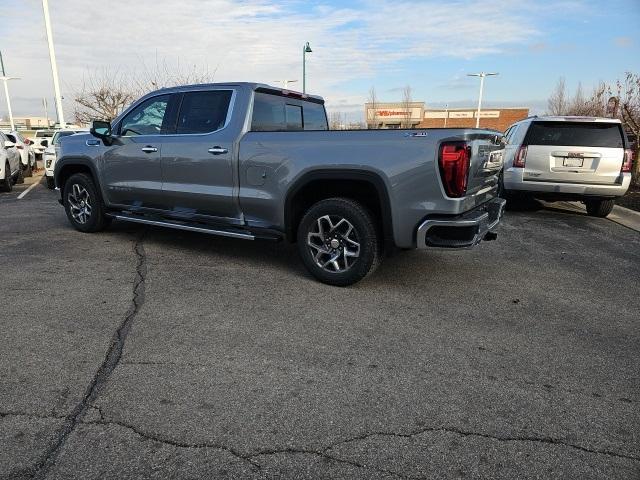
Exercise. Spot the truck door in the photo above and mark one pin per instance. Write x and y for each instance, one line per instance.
(197, 160)
(132, 169)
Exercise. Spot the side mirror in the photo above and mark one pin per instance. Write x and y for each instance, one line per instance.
(9, 144)
(44, 143)
(102, 130)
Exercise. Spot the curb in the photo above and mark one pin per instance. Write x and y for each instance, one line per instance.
(620, 215)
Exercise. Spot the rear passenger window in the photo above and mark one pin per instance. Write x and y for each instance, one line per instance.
(268, 113)
(203, 112)
(578, 134)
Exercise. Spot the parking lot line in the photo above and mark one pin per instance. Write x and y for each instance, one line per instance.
(23, 194)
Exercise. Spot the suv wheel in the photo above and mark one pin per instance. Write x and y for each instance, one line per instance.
(28, 170)
(20, 176)
(599, 208)
(83, 204)
(50, 183)
(339, 242)
(6, 185)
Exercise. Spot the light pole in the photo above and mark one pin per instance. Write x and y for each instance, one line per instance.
(54, 66)
(305, 49)
(5, 79)
(481, 75)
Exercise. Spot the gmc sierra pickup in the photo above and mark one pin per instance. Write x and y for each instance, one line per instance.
(250, 161)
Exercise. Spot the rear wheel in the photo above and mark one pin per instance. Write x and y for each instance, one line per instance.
(28, 170)
(20, 177)
(338, 241)
(50, 183)
(6, 184)
(599, 208)
(83, 204)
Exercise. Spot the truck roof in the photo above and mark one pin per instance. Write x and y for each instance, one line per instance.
(251, 85)
(572, 118)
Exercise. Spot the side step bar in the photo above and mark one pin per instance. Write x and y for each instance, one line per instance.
(180, 226)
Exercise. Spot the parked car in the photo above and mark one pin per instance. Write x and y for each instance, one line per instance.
(50, 153)
(10, 171)
(251, 161)
(27, 155)
(568, 158)
(41, 141)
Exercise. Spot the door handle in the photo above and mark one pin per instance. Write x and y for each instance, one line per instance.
(149, 149)
(217, 150)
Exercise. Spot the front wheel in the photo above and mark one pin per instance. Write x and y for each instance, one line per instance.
(6, 184)
(338, 241)
(599, 208)
(83, 204)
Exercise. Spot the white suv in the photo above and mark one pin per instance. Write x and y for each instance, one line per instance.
(51, 153)
(568, 158)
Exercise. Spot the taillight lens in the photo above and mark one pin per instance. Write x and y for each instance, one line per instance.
(521, 157)
(454, 167)
(628, 161)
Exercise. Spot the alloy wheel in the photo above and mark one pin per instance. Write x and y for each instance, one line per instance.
(79, 203)
(333, 243)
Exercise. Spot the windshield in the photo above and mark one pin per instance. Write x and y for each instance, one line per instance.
(58, 135)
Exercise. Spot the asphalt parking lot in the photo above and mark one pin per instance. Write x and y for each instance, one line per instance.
(148, 353)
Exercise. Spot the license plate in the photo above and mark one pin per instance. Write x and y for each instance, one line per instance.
(573, 162)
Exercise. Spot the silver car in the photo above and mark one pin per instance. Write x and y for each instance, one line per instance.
(567, 158)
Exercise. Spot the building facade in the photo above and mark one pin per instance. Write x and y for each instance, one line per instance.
(416, 115)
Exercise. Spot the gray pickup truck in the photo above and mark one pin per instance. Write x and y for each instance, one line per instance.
(251, 161)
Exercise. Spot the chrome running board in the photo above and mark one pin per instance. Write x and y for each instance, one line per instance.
(180, 226)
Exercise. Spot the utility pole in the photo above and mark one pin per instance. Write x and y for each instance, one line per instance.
(305, 49)
(54, 66)
(482, 75)
(5, 79)
(46, 110)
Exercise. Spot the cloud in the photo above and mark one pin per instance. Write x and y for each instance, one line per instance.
(256, 40)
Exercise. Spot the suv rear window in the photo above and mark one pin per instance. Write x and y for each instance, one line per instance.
(578, 134)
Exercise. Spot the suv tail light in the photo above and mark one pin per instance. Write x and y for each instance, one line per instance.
(628, 161)
(454, 167)
(521, 157)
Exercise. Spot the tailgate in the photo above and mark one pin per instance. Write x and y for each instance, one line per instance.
(487, 152)
(574, 152)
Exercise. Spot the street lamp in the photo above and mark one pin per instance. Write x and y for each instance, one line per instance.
(305, 49)
(481, 75)
(285, 83)
(5, 79)
(54, 66)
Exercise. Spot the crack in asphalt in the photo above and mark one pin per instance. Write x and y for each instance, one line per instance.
(326, 452)
(110, 362)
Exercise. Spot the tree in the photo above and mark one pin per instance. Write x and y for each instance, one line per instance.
(105, 93)
(628, 92)
(372, 122)
(336, 121)
(557, 103)
(406, 107)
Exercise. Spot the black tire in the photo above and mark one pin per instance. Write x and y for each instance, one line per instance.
(6, 185)
(50, 183)
(95, 220)
(28, 170)
(599, 208)
(20, 177)
(364, 232)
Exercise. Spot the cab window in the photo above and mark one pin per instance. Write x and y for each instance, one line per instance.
(147, 118)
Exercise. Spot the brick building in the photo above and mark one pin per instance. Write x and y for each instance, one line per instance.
(397, 115)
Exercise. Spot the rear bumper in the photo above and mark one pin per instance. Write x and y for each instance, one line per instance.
(513, 181)
(461, 231)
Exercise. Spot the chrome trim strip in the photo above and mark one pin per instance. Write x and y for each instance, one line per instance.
(178, 226)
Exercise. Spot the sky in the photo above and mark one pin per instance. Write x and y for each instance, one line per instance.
(386, 44)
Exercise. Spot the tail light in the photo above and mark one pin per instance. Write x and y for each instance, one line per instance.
(628, 161)
(521, 157)
(454, 167)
